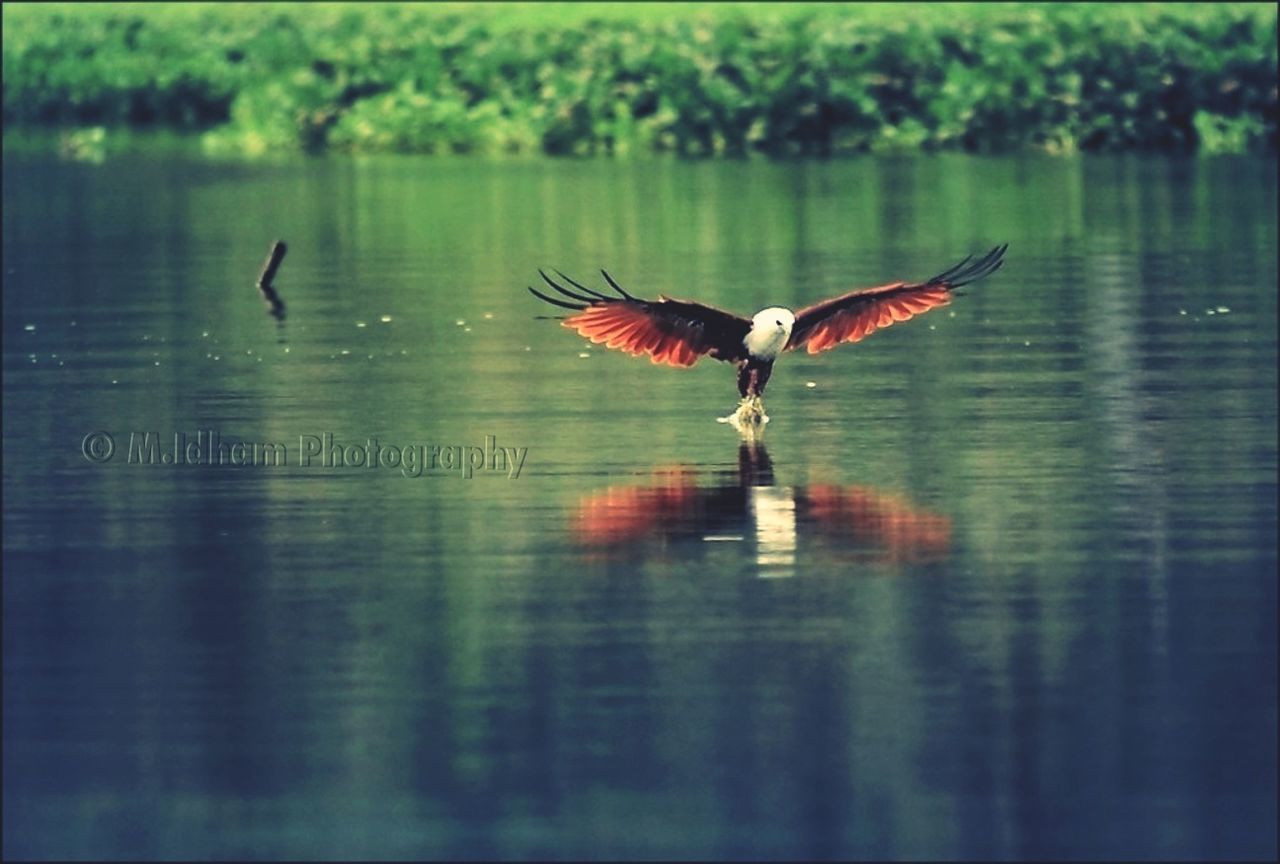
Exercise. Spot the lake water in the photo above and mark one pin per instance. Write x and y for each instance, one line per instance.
(999, 582)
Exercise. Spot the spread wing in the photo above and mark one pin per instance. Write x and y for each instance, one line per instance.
(856, 315)
(676, 332)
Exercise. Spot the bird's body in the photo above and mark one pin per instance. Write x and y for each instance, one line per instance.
(680, 332)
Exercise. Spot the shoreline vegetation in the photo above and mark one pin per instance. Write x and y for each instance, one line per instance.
(695, 79)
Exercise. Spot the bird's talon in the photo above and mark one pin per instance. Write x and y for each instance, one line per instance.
(749, 414)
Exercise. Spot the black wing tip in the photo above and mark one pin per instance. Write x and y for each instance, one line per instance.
(576, 307)
(580, 298)
(589, 297)
(580, 286)
(965, 272)
(614, 285)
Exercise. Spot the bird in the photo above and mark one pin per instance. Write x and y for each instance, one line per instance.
(681, 332)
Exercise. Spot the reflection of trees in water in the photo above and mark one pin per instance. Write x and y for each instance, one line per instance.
(748, 506)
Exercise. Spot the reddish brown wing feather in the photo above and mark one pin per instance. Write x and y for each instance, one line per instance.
(631, 329)
(675, 332)
(876, 309)
(856, 315)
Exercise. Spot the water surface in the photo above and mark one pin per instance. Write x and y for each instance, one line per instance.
(999, 583)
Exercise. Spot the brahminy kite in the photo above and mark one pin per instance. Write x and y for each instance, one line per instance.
(680, 332)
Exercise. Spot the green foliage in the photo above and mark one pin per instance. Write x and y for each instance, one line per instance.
(618, 79)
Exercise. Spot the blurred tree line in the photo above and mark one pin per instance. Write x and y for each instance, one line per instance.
(821, 80)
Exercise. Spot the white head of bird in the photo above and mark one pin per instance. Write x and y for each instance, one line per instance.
(770, 330)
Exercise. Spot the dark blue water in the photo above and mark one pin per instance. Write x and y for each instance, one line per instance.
(999, 582)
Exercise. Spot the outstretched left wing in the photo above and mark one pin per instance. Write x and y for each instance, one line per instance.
(857, 314)
(676, 332)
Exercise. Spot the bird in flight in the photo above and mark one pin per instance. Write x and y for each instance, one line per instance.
(681, 332)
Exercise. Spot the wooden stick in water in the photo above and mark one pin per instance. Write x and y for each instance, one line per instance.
(268, 274)
(272, 264)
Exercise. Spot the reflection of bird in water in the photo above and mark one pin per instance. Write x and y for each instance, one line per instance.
(747, 506)
(680, 332)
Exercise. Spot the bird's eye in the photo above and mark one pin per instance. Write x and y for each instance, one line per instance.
(779, 323)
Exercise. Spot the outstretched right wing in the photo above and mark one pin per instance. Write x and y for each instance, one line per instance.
(676, 332)
(857, 314)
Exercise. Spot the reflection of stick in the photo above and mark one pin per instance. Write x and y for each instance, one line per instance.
(274, 303)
